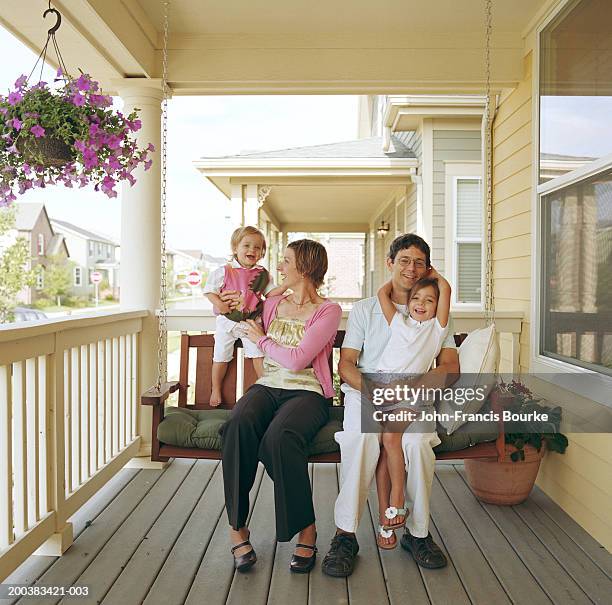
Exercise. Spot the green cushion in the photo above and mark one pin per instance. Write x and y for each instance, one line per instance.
(200, 429)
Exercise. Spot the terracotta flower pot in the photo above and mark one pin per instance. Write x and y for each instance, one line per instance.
(505, 482)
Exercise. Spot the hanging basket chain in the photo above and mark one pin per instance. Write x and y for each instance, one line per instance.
(42, 57)
(162, 344)
(489, 299)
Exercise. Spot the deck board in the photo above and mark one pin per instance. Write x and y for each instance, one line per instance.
(160, 536)
(175, 578)
(512, 573)
(322, 588)
(216, 572)
(108, 564)
(477, 577)
(157, 544)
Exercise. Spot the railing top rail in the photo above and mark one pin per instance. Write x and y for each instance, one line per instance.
(11, 332)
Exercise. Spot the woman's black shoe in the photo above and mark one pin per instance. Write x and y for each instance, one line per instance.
(247, 560)
(301, 564)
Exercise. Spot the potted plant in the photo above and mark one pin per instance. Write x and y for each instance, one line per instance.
(69, 134)
(510, 481)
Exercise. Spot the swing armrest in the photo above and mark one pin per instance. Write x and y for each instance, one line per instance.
(155, 397)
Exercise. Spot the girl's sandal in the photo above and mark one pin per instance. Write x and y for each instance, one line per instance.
(392, 513)
(385, 533)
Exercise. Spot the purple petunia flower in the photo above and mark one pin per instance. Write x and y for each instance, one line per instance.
(3, 110)
(150, 147)
(77, 99)
(14, 98)
(17, 123)
(38, 131)
(90, 159)
(21, 81)
(148, 164)
(83, 82)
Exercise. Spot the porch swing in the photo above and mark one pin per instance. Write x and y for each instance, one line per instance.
(191, 430)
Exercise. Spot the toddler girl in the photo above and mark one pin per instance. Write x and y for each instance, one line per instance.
(415, 342)
(251, 281)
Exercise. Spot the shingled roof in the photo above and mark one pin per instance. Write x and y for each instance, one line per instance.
(359, 148)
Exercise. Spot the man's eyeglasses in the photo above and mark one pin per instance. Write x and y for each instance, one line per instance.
(406, 261)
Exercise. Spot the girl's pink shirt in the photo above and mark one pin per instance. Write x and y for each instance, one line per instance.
(314, 348)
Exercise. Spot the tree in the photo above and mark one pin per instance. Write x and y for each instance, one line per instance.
(57, 277)
(14, 258)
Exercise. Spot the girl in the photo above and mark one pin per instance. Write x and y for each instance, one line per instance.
(415, 342)
(251, 281)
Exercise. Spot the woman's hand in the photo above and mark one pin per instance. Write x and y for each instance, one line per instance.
(253, 330)
(231, 298)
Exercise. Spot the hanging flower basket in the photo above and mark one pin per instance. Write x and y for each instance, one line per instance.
(48, 151)
(68, 134)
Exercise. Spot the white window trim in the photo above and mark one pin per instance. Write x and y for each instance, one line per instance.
(600, 384)
(453, 172)
(40, 280)
(80, 279)
(41, 244)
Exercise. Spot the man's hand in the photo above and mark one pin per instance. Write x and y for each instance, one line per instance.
(231, 298)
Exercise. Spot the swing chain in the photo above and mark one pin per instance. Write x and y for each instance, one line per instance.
(489, 299)
(162, 341)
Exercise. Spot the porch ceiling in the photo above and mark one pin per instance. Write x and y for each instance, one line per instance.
(326, 208)
(356, 46)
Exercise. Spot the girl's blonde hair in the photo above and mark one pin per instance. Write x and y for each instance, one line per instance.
(240, 233)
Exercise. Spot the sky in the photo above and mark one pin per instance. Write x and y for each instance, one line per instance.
(197, 126)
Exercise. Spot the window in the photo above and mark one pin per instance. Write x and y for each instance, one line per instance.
(91, 248)
(99, 249)
(576, 309)
(572, 289)
(40, 279)
(78, 276)
(41, 244)
(467, 240)
(575, 87)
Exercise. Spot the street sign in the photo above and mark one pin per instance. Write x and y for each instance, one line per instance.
(194, 278)
(96, 277)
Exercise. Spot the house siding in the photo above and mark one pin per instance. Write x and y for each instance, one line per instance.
(578, 480)
(455, 145)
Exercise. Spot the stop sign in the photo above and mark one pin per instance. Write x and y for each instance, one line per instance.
(96, 277)
(194, 278)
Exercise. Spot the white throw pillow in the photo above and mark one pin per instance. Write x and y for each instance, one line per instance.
(478, 355)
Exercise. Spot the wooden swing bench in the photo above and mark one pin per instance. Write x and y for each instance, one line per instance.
(191, 431)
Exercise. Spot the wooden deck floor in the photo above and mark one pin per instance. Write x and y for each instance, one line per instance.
(159, 537)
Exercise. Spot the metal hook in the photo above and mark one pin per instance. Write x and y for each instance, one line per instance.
(53, 29)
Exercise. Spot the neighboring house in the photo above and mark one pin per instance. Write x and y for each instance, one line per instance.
(32, 223)
(424, 175)
(182, 262)
(91, 252)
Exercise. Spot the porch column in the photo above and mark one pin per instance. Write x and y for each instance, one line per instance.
(140, 238)
(236, 206)
(251, 206)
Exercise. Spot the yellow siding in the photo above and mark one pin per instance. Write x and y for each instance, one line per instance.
(578, 481)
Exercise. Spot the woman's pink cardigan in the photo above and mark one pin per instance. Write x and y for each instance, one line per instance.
(314, 348)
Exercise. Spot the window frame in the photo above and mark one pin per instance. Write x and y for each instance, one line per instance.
(454, 172)
(40, 244)
(599, 383)
(40, 280)
(80, 279)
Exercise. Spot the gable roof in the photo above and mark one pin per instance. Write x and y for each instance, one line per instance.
(359, 148)
(27, 214)
(86, 233)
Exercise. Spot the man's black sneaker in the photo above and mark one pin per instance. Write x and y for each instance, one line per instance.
(339, 562)
(424, 551)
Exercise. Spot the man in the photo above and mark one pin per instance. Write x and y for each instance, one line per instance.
(367, 334)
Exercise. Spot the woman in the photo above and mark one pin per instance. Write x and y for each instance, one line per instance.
(282, 412)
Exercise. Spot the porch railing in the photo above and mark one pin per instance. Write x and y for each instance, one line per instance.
(68, 395)
(508, 323)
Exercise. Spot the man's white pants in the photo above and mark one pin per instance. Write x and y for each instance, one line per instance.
(360, 452)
